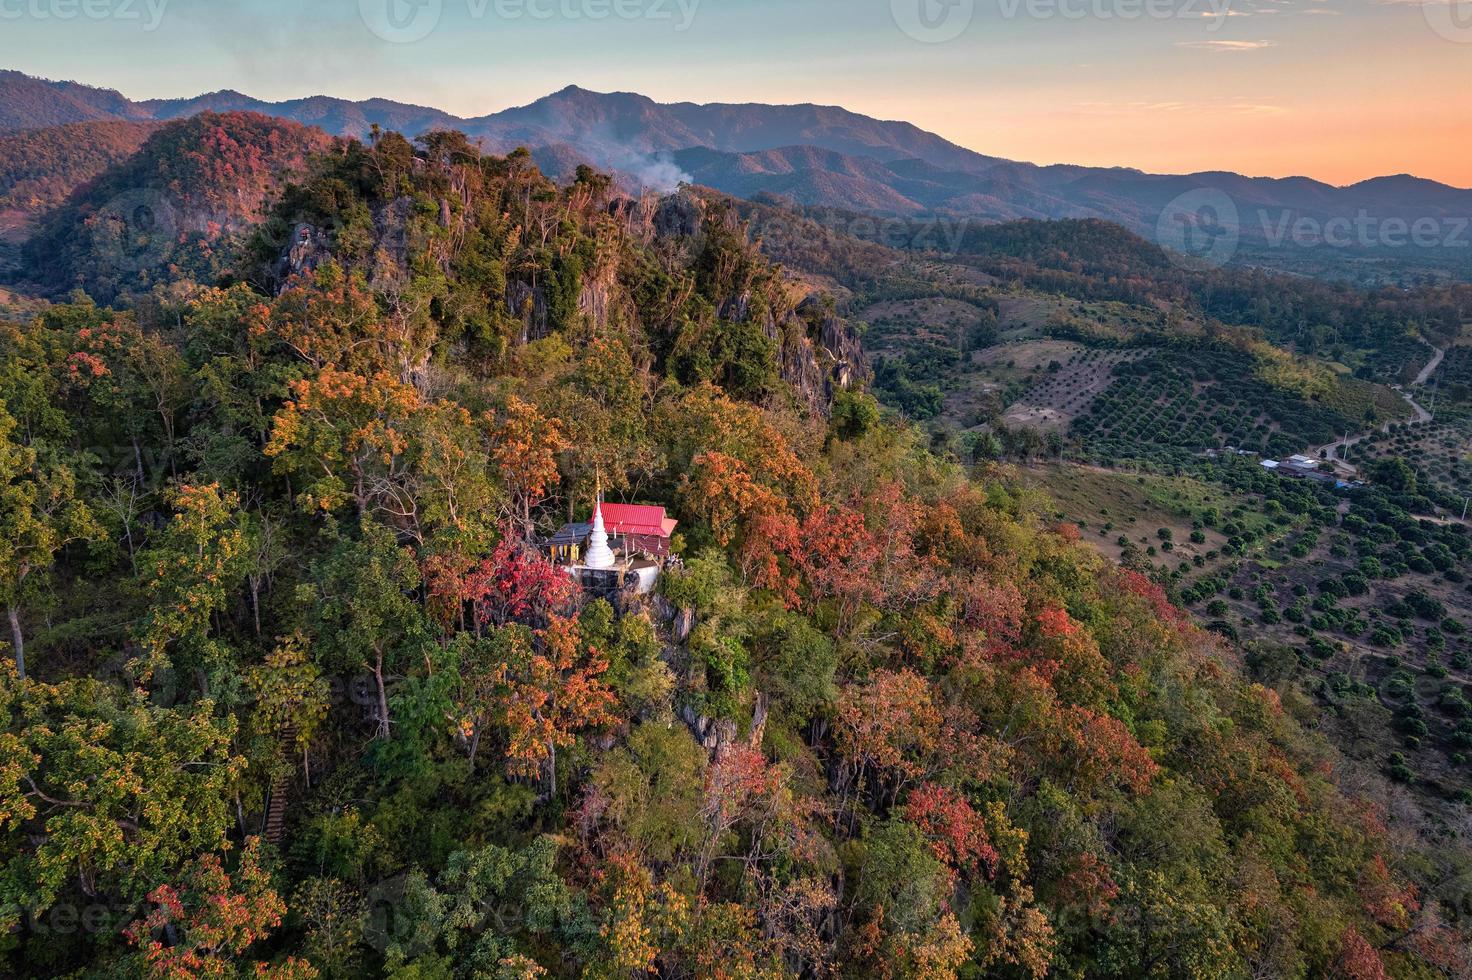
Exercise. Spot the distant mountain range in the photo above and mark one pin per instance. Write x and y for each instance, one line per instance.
(814, 155)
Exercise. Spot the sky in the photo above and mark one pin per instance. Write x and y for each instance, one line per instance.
(1339, 90)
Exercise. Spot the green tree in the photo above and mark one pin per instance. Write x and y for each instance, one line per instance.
(105, 792)
(40, 513)
(190, 575)
(360, 608)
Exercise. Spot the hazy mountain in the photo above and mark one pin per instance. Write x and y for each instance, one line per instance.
(35, 103)
(814, 155)
(337, 116)
(641, 125)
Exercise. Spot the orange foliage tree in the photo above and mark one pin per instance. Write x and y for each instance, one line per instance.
(551, 687)
(889, 725)
(525, 447)
(349, 436)
(203, 926)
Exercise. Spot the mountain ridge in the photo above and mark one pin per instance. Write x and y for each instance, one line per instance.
(824, 156)
(234, 100)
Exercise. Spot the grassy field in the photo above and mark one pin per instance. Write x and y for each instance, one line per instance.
(1026, 315)
(1110, 505)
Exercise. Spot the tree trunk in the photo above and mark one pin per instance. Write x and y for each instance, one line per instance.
(383, 729)
(255, 602)
(17, 639)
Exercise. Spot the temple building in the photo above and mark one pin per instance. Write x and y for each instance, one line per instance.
(623, 546)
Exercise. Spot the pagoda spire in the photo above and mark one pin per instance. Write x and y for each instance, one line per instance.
(599, 555)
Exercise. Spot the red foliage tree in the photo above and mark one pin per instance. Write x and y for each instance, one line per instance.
(1065, 652)
(1134, 584)
(201, 927)
(766, 556)
(1106, 751)
(739, 786)
(956, 831)
(1088, 886)
(515, 584)
(1358, 960)
(994, 613)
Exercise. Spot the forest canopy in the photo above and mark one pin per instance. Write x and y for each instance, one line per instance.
(292, 692)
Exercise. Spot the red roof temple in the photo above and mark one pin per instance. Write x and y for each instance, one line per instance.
(630, 530)
(637, 520)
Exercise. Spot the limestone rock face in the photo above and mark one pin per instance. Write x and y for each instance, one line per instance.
(820, 355)
(530, 306)
(841, 345)
(684, 624)
(391, 235)
(714, 734)
(307, 248)
(679, 216)
(801, 367)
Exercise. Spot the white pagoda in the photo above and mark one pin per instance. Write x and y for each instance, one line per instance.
(599, 555)
(596, 566)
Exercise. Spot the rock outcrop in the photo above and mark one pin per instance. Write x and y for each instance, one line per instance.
(306, 249)
(819, 354)
(529, 305)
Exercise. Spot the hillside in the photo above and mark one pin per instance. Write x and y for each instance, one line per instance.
(1141, 399)
(173, 209)
(39, 169)
(294, 688)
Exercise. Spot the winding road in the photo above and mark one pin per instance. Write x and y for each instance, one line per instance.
(1331, 451)
(1430, 368)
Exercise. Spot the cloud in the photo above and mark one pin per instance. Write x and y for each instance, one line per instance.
(1230, 46)
(1195, 107)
